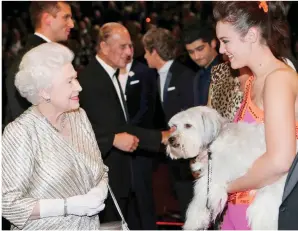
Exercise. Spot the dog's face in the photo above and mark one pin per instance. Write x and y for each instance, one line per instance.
(195, 129)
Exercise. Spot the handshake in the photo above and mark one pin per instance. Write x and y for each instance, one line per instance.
(129, 143)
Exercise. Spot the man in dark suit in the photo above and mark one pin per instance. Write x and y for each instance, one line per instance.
(138, 82)
(52, 22)
(103, 100)
(175, 86)
(200, 43)
(288, 209)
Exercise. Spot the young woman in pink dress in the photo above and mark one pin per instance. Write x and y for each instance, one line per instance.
(255, 34)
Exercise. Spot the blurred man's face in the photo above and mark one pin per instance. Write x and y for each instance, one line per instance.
(150, 58)
(130, 57)
(202, 53)
(62, 23)
(118, 48)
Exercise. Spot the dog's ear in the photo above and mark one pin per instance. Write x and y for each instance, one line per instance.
(212, 123)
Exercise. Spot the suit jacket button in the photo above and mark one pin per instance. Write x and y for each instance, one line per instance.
(282, 209)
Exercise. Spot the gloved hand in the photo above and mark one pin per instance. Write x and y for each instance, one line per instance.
(80, 205)
(101, 190)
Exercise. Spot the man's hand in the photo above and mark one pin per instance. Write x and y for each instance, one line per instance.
(126, 142)
(166, 134)
(195, 174)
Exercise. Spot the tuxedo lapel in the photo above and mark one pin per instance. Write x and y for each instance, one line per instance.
(130, 78)
(110, 84)
(127, 87)
(167, 84)
(292, 178)
(122, 95)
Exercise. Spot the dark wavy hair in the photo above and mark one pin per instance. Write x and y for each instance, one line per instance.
(196, 31)
(244, 15)
(162, 41)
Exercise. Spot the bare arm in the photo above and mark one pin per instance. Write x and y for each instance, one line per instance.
(280, 92)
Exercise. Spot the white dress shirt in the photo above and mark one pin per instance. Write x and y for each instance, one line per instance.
(123, 79)
(111, 71)
(163, 72)
(43, 37)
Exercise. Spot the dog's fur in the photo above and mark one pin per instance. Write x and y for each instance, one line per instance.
(234, 148)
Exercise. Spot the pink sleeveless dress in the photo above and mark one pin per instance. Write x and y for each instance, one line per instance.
(235, 217)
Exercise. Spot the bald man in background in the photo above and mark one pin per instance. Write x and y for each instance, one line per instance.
(103, 100)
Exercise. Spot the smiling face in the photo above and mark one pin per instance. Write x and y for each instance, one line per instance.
(118, 48)
(233, 45)
(65, 89)
(62, 23)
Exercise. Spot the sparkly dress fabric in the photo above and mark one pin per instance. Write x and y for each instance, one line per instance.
(38, 163)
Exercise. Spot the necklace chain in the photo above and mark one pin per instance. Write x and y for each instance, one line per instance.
(62, 122)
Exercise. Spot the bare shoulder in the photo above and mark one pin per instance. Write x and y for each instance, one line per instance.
(283, 77)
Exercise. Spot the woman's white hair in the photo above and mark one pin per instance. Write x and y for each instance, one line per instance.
(38, 67)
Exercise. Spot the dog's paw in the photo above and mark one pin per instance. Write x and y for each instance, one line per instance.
(198, 221)
(218, 198)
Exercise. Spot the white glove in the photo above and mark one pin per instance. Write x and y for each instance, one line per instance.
(51, 207)
(81, 205)
(101, 190)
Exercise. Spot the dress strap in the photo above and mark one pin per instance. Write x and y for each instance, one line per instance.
(247, 90)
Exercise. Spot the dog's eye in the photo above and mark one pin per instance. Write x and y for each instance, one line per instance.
(187, 125)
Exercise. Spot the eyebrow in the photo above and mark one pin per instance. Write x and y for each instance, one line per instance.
(126, 44)
(67, 15)
(221, 38)
(196, 47)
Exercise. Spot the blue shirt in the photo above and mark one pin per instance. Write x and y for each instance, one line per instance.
(202, 83)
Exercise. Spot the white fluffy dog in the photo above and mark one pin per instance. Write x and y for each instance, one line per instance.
(233, 147)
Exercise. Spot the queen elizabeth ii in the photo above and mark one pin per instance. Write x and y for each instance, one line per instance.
(53, 176)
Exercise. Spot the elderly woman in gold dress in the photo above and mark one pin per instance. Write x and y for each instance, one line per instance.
(53, 176)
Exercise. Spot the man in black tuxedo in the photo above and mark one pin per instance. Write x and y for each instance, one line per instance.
(138, 82)
(103, 100)
(52, 22)
(175, 87)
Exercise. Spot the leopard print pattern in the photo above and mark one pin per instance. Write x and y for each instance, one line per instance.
(225, 97)
(224, 94)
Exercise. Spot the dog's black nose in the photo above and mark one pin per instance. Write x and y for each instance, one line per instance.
(172, 140)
